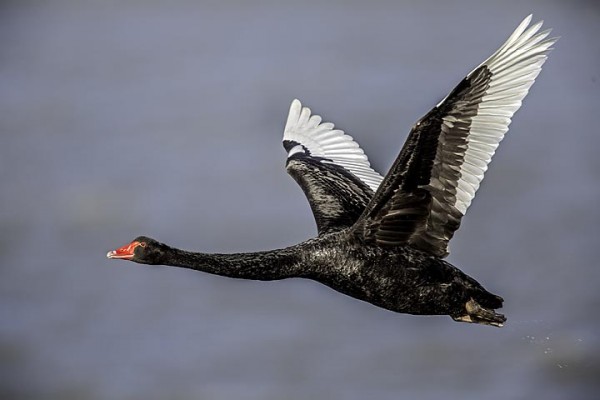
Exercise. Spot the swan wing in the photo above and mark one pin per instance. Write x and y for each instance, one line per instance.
(436, 175)
(330, 167)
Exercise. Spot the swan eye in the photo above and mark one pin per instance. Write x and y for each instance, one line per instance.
(142, 244)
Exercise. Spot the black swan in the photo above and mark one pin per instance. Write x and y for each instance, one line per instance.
(383, 240)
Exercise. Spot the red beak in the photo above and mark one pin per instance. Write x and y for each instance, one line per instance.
(126, 252)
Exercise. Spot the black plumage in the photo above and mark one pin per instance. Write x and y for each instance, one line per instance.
(382, 240)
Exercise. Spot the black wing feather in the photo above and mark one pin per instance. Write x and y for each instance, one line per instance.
(434, 179)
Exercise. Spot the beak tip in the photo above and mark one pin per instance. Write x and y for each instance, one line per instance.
(126, 252)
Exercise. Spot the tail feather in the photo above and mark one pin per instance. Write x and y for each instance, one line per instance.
(489, 300)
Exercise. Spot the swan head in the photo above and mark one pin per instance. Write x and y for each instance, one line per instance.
(143, 250)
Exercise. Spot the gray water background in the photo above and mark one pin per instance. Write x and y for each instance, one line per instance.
(165, 119)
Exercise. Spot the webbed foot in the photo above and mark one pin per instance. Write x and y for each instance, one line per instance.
(476, 314)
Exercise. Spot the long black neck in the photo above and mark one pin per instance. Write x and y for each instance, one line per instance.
(264, 265)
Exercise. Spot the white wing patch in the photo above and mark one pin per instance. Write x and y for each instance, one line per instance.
(514, 68)
(322, 140)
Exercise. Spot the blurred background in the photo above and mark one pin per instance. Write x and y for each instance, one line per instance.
(165, 119)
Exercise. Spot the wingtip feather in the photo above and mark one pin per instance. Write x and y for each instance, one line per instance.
(323, 140)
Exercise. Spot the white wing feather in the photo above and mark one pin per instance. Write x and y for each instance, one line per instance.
(514, 67)
(321, 139)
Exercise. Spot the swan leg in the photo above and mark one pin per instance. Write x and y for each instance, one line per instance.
(476, 314)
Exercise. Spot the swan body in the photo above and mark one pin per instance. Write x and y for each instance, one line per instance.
(383, 239)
